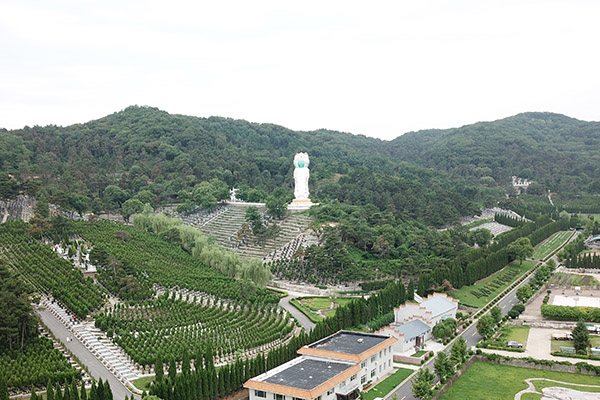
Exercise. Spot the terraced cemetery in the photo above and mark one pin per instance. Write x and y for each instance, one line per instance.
(485, 290)
(169, 327)
(41, 268)
(225, 226)
(144, 256)
(228, 316)
(546, 248)
(35, 365)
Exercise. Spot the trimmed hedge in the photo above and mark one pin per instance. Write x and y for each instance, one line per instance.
(567, 313)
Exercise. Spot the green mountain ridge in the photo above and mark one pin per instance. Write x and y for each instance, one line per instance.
(433, 175)
(558, 152)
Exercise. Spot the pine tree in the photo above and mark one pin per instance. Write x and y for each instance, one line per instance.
(49, 391)
(172, 370)
(74, 391)
(442, 366)
(93, 392)
(410, 291)
(422, 384)
(107, 391)
(185, 363)
(58, 393)
(3, 388)
(158, 369)
(34, 395)
(100, 390)
(581, 338)
(83, 393)
(67, 393)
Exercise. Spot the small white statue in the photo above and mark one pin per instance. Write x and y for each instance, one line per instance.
(301, 175)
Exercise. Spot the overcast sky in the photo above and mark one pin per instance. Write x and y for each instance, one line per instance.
(375, 68)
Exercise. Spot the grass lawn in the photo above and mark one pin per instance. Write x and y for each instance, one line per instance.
(549, 245)
(143, 383)
(555, 346)
(482, 292)
(502, 382)
(419, 353)
(517, 333)
(310, 306)
(386, 386)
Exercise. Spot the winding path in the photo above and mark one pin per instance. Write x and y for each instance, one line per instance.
(306, 323)
(531, 387)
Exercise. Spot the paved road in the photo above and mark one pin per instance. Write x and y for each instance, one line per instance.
(306, 323)
(96, 368)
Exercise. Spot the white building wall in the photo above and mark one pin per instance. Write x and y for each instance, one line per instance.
(372, 370)
(377, 366)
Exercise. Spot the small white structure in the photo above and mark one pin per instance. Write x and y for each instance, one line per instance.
(435, 308)
(410, 335)
(520, 183)
(301, 176)
(334, 368)
(413, 322)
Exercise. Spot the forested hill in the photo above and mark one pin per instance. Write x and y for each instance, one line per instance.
(560, 153)
(145, 149)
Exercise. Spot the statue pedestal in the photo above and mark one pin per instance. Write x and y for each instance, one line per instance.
(300, 205)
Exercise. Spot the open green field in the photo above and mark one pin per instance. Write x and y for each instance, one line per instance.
(317, 308)
(481, 293)
(545, 248)
(388, 384)
(502, 382)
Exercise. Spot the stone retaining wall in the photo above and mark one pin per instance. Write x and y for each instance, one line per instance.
(410, 359)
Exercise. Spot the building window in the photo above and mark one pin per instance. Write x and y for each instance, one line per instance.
(343, 384)
(389, 363)
(363, 379)
(363, 364)
(353, 378)
(279, 397)
(373, 372)
(260, 393)
(329, 392)
(318, 398)
(374, 358)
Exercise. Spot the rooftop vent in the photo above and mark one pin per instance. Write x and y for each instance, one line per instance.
(360, 340)
(310, 377)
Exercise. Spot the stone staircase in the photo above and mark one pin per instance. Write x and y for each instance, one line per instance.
(225, 226)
